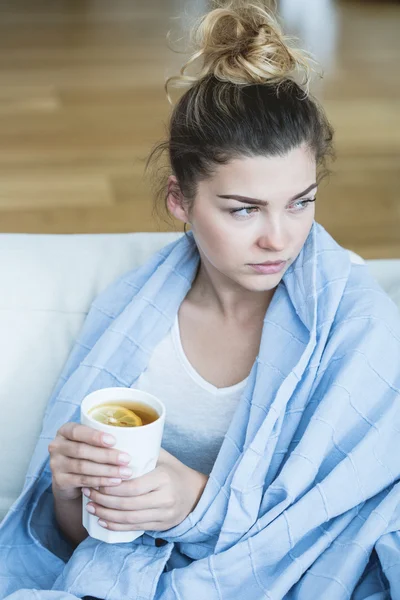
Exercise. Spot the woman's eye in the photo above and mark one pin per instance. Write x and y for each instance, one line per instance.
(302, 204)
(237, 211)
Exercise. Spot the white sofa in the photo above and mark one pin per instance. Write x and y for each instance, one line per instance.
(47, 283)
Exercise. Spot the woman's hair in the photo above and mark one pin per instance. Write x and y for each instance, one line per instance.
(245, 101)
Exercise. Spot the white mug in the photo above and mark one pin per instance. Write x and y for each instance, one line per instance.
(141, 443)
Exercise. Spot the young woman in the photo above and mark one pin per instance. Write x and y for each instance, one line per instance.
(278, 360)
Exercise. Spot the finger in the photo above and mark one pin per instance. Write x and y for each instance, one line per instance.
(82, 433)
(86, 467)
(133, 518)
(83, 451)
(140, 485)
(151, 526)
(148, 501)
(67, 480)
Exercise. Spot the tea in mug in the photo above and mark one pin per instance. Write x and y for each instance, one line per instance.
(125, 413)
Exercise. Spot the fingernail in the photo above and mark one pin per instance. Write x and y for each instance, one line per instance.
(90, 509)
(108, 439)
(126, 472)
(86, 491)
(102, 523)
(114, 480)
(124, 458)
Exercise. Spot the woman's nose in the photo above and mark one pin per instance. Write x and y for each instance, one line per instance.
(273, 239)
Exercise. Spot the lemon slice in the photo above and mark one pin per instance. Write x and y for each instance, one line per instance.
(116, 415)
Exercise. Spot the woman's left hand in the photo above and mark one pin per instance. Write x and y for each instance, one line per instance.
(156, 501)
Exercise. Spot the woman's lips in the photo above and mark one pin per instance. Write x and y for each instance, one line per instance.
(269, 269)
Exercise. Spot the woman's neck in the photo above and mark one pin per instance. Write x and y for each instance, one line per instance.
(227, 299)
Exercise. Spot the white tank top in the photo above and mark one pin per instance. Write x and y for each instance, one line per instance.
(198, 414)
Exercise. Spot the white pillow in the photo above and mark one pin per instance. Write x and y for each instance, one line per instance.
(47, 284)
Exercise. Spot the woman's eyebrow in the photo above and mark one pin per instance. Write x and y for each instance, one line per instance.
(264, 202)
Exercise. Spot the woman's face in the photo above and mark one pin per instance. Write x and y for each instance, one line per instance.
(233, 234)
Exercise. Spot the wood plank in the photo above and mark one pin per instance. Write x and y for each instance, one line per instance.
(53, 190)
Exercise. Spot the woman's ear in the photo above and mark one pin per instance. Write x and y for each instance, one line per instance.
(175, 200)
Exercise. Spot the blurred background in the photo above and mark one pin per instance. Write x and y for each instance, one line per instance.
(82, 103)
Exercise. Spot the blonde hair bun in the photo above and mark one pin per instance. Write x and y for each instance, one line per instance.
(242, 42)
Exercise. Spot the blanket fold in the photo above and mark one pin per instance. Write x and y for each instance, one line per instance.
(303, 501)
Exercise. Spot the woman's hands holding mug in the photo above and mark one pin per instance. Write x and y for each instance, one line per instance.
(156, 501)
(81, 456)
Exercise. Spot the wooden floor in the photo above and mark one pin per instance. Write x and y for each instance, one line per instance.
(82, 103)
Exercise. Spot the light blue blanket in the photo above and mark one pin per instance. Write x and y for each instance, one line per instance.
(304, 499)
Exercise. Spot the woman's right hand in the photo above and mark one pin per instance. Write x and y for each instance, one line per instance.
(82, 457)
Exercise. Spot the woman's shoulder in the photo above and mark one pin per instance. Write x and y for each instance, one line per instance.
(117, 294)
